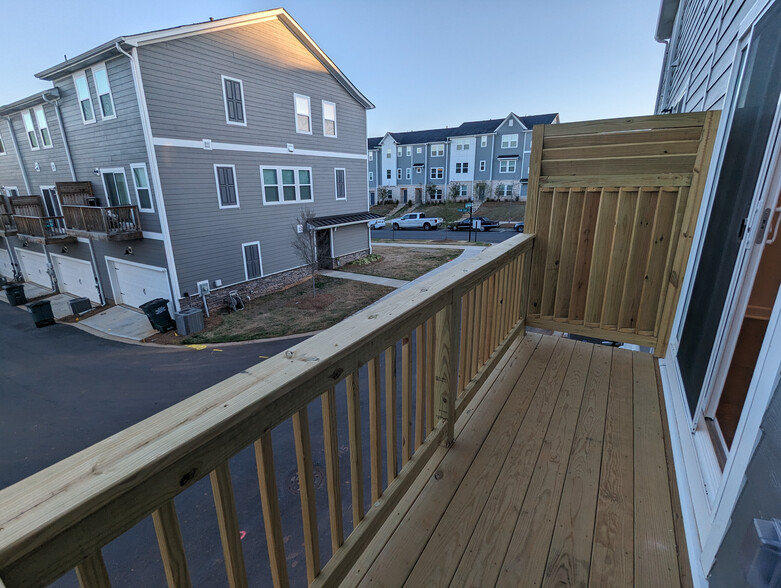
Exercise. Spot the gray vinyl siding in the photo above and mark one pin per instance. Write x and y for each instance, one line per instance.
(350, 239)
(107, 143)
(183, 88)
(207, 240)
(10, 173)
(758, 499)
(506, 129)
(484, 154)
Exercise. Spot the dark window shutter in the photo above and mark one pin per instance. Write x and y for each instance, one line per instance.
(227, 184)
(233, 101)
(252, 257)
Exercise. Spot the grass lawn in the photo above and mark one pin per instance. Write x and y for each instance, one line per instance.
(448, 211)
(503, 211)
(401, 263)
(382, 209)
(291, 311)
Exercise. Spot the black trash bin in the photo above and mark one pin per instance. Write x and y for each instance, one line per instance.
(42, 313)
(15, 293)
(157, 312)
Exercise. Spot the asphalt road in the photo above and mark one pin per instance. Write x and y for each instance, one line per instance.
(493, 236)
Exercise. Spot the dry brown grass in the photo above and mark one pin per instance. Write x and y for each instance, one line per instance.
(502, 211)
(403, 263)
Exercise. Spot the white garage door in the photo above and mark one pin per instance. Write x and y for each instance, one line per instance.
(134, 283)
(6, 268)
(34, 267)
(75, 277)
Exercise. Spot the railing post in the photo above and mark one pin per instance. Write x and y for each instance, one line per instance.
(446, 364)
(103, 215)
(526, 285)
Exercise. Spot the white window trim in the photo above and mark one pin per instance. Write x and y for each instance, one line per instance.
(9, 188)
(40, 109)
(408, 173)
(113, 170)
(482, 165)
(235, 185)
(371, 156)
(399, 152)
(102, 67)
(336, 129)
(279, 169)
(440, 153)
(309, 113)
(371, 176)
(398, 173)
(225, 101)
(149, 187)
(510, 141)
(484, 141)
(336, 188)
(435, 171)
(244, 259)
(27, 131)
(409, 151)
(419, 149)
(508, 171)
(75, 76)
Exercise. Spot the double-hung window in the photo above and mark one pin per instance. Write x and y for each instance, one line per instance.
(233, 94)
(371, 156)
(371, 176)
(103, 89)
(329, 119)
(286, 184)
(303, 114)
(387, 153)
(507, 166)
(29, 128)
(115, 185)
(387, 174)
(409, 173)
(85, 100)
(438, 150)
(462, 168)
(398, 173)
(510, 141)
(483, 141)
(482, 165)
(253, 267)
(462, 189)
(227, 192)
(143, 191)
(419, 150)
(341, 183)
(437, 173)
(43, 127)
(398, 151)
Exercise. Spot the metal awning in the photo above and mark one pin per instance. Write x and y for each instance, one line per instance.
(340, 220)
(509, 157)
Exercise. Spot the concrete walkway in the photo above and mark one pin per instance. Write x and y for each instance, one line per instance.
(120, 321)
(390, 282)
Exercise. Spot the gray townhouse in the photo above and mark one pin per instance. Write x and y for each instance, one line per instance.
(484, 159)
(182, 160)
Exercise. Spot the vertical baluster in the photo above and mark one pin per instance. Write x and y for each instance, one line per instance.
(446, 375)
(406, 400)
(228, 522)
(477, 326)
(489, 318)
(91, 572)
(356, 448)
(306, 486)
(331, 442)
(104, 217)
(391, 435)
(431, 337)
(169, 538)
(527, 271)
(420, 383)
(375, 426)
(469, 328)
(462, 335)
(272, 521)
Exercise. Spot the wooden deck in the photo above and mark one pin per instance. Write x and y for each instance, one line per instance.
(559, 475)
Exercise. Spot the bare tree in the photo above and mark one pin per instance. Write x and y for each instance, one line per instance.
(305, 242)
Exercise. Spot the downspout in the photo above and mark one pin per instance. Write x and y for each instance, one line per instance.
(56, 104)
(18, 155)
(660, 98)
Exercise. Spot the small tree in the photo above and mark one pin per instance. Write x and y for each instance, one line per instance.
(305, 242)
(481, 190)
(454, 192)
(382, 194)
(431, 192)
(500, 191)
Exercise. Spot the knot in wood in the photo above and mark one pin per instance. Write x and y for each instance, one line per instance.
(337, 373)
(187, 478)
(438, 475)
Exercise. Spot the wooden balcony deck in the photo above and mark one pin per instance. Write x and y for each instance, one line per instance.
(558, 476)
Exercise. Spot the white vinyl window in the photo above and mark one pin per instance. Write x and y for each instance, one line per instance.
(482, 165)
(371, 176)
(29, 128)
(462, 145)
(462, 168)
(409, 173)
(286, 184)
(510, 141)
(371, 156)
(437, 150)
(11, 191)
(437, 173)
(340, 179)
(387, 153)
(253, 267)
(115, 184)
(419, 169)
(462, 189)
(409, 151)
(483, 141)
(103, 89)
(233, 96)
(329, 119)
(143, 191)
(43, 127)
(398, 151)
(227, 190)
(507, 166)
(303, 114)
(505, 190)
(419, 150)
(85, 100)
(388, 174)
(398, 173)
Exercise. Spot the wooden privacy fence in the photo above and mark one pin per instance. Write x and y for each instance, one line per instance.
(451, 330)
(614, 204)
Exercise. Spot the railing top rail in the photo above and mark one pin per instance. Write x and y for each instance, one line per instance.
(37, 217)
(127, 476)
(64, 206)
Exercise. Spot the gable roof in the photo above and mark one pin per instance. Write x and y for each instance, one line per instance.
(120, 44)
(374, 142)
(34, 100)
(539, 119)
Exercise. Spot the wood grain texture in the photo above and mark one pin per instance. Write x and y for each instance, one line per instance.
(228, 523)
(169, 538)
(558, 216)
(584, 256)
(691, 133)
(569, 249)
(420, 385)
(536, 282)
(356, 445)
(619, 256)
(272, 520)
(431, 341)
(91, 572)
(306, 488)
(406, 400)
(375, 429)
(601, 260)
(391, 426)
(331, 449)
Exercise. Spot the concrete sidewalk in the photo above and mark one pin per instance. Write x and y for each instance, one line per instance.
(390, 282)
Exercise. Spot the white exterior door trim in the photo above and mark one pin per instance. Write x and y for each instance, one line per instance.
(89, 291)
(115, 286)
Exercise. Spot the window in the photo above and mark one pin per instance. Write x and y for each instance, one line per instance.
(43, 127)
(372, 198)
(437, 173)
(295, 184)
(143, 192)
(233, 93)
(409, 151)
(85, 100)
(303, 114)
(371, 155)
(483, 141)
(371, 176)
(115, 185)
(32, 136)
(507, 166)
(387, 153)
(11, 191)
(104, 92)
(505, 190)
(482, 165)
(409, 173)
(252, 265)
(438, 150)
(462, 189)
(509, 141)
(462, 168)
(329, 119)
(510, 123)
(2, 147)
(462, 145)
(398, 151)
(388, 174)
(438, 194)
(398, 173)
(226, 186)
(419, 150)
(419, 169)
(341, 184)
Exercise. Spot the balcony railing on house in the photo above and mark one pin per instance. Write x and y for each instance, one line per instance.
(7, 224)
(114, 223)
(441, 361)
(45, 229)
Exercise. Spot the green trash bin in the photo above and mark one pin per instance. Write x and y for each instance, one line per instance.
(15, 294)
(157, 312)
(42, 313)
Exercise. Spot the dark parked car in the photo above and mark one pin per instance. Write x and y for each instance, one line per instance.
(479, 223)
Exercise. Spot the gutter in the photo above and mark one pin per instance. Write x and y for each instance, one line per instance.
(18, 154)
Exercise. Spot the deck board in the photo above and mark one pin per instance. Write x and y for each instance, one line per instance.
(541, 486)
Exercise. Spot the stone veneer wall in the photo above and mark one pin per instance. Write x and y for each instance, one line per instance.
(335, 262)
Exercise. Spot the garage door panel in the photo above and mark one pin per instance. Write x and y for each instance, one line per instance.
(34, 267)
(135, 284)
(75, 276)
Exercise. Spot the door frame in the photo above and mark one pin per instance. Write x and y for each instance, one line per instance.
(20, 253)
(53, 189)
(115, 286)
(56, 257)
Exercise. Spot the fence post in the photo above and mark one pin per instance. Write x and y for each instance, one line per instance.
(446, 364)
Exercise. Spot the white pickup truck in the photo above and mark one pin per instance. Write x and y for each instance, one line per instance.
(417, 220)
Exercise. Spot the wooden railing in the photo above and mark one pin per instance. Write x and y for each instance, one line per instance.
(27, 205)
(40, 226)
(107, 220)
(7, 223)
(451, 331)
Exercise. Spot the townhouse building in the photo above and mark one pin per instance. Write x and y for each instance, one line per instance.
(478, 159)
(181, 161)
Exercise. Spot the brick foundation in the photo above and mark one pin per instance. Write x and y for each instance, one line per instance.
(335, 262)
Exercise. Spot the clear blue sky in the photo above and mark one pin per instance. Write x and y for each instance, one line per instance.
(424, 63)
